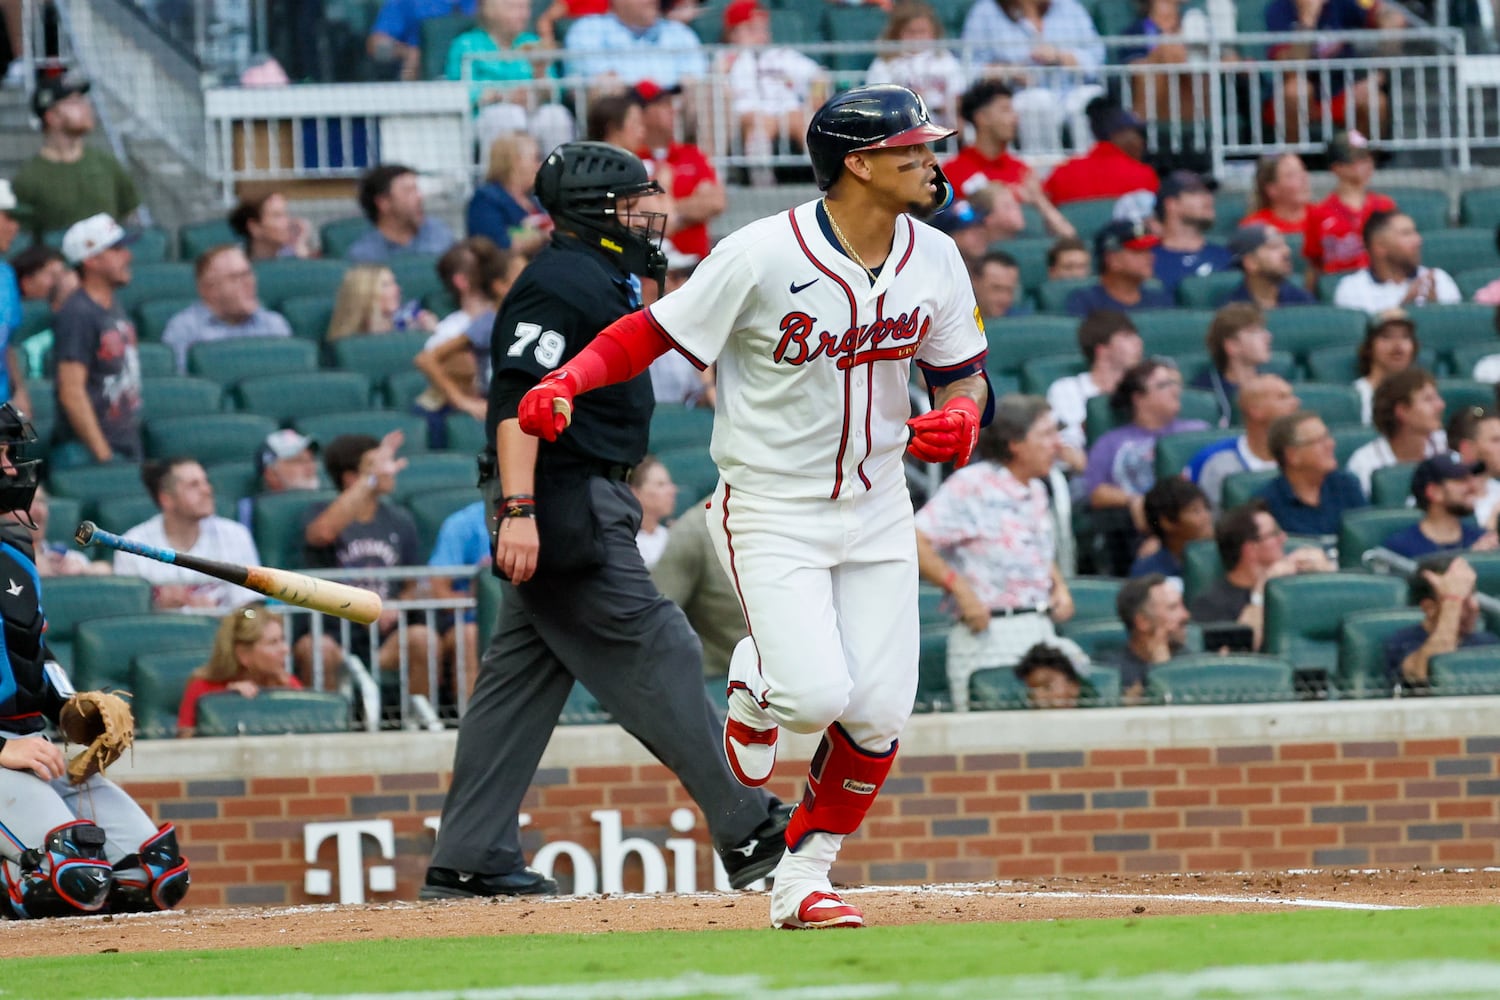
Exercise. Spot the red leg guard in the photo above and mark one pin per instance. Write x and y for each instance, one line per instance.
(842, 783)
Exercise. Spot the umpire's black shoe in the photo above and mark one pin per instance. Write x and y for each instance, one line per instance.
(759, 854)
(445, 883)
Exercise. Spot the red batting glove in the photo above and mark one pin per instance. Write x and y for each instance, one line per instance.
(547, 408)
(946, 435)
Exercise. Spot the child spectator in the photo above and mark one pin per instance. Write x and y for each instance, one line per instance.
(1333, 237)
(1111, 346)
(1280, 194)
(1390, 346)
(1408, 413)
(1176, 513)
(772, 90)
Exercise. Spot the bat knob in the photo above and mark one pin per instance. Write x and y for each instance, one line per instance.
(85, 533)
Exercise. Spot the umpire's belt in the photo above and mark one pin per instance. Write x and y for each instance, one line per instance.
(1040, 609)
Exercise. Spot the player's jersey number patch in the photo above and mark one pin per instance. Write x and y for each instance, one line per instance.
(549, 344)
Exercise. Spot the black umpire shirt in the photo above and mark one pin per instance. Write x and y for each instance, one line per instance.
(564, 297)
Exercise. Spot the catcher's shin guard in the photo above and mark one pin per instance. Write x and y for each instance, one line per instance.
(165, 873)
(842, 783)
(67, 875)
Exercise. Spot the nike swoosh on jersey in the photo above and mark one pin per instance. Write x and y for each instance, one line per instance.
(806, 284)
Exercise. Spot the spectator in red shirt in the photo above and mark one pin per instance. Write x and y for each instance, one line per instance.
(1281, 194)
(989, 108)
(681, 168)
(1113, 167)
(1333, 239)
(249, 655)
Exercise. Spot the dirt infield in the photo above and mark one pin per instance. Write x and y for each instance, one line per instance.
(1038, 899)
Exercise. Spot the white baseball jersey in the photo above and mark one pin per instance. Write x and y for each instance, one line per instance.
(813, 360)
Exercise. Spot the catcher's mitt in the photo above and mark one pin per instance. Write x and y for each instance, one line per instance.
(102, 722)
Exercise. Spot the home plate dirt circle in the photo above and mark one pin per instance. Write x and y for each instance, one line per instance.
(1062, 898)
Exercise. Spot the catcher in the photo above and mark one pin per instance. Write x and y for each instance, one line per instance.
(71, 840)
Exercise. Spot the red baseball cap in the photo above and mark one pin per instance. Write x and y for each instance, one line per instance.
(649, 91)
(740, 11)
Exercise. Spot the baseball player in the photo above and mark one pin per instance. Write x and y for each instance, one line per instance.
(66, 848)
(814, 317)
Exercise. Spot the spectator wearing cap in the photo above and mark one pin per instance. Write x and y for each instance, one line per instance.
(1050, 46)
(285, 461)
(395, 39)
(94, 346)
(1238, 344)
(966, 226)
(1443, 586)
(1113, 167)
(12, 384)
(1316, 92)
(634, 42)
(1280, 194)
(1474, 436)
(1137, 206)
(1445, 490)
(391, 198)
(989, 107)
(1111, 346)
(920, 66)
(1068, 259)
(227, 305)
(1333, 238)
(1122, 251)
(1185, 206)
(69, 179)
(1390, 346)
(1262, 253)
(1155, 619)
(997, 285)
(681, 168)
(1408, 413)
(1395, 277)
(1264, 399)
(1311, 493)
(1177, 513)
(773, 89)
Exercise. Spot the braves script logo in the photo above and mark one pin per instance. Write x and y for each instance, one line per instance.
(894, 338)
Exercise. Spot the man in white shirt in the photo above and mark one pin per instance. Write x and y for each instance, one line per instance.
(1395, 277)
(772, 90)
(1408, 413)
(187, 523)
(1111, 345)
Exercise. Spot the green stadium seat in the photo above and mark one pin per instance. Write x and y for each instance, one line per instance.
(1472, 279)
(430, 507)
(1428, 208)
(1014, 341)
(293, 396)
(1471, 671)
(196, 237)
(1173, 451)
(1366, 528)
(152, 245)
(674, 427)
(1208, 291)
(232, 481)
(1093, 598)
(103, 648)
(438, 302)
(282, 278)
(43, 413)
(1038, 374)
(996, 688)
(150, 282)
(308, 315)
(933, 694)
(1197, 404)
(377, 355)
(1362, 635)
(277, 520)
(1098, 637)
(1391, 486)
(1349, 438)
(279, 711)
(1174, 333)
(1052, 295)
(437, 35)
(151, 318)
(465, 434)
(1464, 359)
(63, 515)
(158, 681)
(1229, 208)
(401, 389)
(1339, 365)
(120, 514)
(1336, 403)
(930, 605)
(1487, 568)
(851, 24)
(416, 273)
(208, 437)
(436, 471)
(1030, 253)
(165, 396)
(229, 361)
(340, 234)
(68, 601)
(156, 360)
(1201, 566)
(36, 316)
(1088, 216)
(1304, 612)
(88, 484)
(1307, 328)
(1456, 250)
(1214, 679)
(376, 423)
(1445, 328)
(694, 472)
(1479, 207)
(1463, 393)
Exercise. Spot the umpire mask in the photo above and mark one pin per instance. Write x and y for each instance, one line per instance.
(17, 490)
(590, 188)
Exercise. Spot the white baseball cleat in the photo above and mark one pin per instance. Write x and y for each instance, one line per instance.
(822, 908)
(751, 752)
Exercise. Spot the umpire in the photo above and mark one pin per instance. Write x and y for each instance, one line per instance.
(578, 603)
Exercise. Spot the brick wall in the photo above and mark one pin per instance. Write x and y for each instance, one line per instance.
(960, 804)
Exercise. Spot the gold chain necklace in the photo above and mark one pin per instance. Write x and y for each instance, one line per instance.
(844, 242)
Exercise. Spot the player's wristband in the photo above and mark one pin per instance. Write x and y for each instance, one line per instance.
(520, 505)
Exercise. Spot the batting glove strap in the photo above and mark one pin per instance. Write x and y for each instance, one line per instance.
(947, 434)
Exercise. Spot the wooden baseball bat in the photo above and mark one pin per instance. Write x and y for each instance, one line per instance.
(354, 603)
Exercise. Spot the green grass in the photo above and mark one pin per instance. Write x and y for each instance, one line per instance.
(928, 960)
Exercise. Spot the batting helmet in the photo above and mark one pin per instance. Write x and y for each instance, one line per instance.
(580, 184)
(881, 116)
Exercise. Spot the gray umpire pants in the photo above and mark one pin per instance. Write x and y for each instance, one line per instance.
(634, 651)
